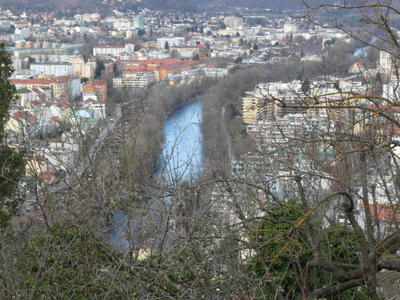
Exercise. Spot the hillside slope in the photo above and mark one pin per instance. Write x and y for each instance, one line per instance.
(52, 5)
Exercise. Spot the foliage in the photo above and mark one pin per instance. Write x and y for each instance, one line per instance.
(340, 244)
(285, 250)
(7, 90)
(12, 167)
(69, 262)
(65, 260)
(11, 163)
(274, 233)
(305, 86)
(116, 71)
(99, 68)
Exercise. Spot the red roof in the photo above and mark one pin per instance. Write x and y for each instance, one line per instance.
(89, 88)
(384, 211)
(97, 82)
(358, 64)
(383, 107)
(45, 175)
(35, 103)
(40, 81)
(20, 115)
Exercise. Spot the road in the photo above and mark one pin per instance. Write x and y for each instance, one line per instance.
(103, 134)
(223, 111)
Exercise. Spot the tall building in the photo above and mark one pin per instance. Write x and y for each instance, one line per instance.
(138, 22)
(385, 62)
(253, 108)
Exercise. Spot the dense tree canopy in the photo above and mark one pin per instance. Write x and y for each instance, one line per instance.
(11, 163)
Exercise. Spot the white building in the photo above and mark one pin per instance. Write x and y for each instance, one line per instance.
(385, 62)
(122, 24)
(57, 69)
(172, 41)
(108, 50)
(138, 22)
(137, 79)
(391, 90)
(215, 72)
(290, 28)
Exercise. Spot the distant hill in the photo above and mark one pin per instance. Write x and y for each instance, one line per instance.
(188, 4)
(48, 5)
(52, 5)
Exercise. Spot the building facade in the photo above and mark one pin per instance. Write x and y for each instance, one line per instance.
(138, 22)
(57, 69)
(108, 50)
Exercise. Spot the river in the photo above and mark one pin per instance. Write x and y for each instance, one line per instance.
(363, 51)
(181, 160)
(182, 150)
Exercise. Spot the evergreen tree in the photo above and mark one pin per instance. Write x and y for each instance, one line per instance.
(11, 163)
(305, 86)
(99, 68)
(290, 261)
(116, 71)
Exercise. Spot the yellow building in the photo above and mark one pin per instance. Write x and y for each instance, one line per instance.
(84, 70)
(58, 85)
(252, 109)
(77, 59)
(87, 70)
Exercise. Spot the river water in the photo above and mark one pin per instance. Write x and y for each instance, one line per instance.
(363, 51)
(181, 160)
(182, 150)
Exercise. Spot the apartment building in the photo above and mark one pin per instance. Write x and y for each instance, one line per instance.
(97, 87)
(138, 22)
(252, 108)
(171, 41)
(121, 24)
(58, 85)
(108, 50)
(85, 70)
(57, 69)
(135, 79)
(385, 62)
